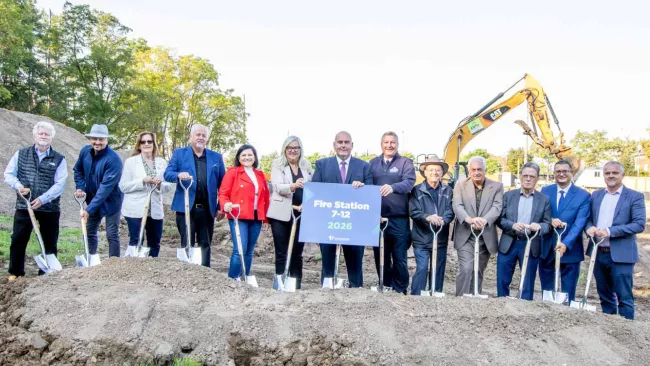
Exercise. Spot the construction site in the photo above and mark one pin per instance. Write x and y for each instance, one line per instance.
(156, 311)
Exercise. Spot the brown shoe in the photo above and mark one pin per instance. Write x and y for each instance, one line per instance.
(11, 278)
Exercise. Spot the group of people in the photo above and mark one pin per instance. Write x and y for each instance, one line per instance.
(475, 204)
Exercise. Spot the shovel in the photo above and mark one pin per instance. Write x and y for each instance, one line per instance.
(381, 288)
(138, 250)
(85, 260)
(582, 304)
(46, 262)
(476, 244)
(335, 282)
(556, 296)
(433, 265)
(283, 282)
(188, 254)
(524, 265)
(251, 280)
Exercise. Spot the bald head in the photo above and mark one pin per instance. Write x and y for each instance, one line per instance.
(343, 145)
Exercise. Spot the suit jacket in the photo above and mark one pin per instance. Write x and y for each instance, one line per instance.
(328, 171)
(282, 197)
(464, 205)
(183, 161)
(574, 212)
(135, 192)
(541, 214)
(629, 220)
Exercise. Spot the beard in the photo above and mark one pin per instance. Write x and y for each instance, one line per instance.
(200, 145)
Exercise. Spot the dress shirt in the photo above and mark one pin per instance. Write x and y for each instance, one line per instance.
(606, 212)
(60, 176)
(525, 209)
(566, 191)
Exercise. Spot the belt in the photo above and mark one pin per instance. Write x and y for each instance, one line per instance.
(604, 249)
(521, 237)
(200, 205)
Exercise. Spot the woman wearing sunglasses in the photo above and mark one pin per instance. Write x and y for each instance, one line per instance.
(143, 171)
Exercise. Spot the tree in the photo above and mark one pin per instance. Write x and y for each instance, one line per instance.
(313, 157)
(595, 148)
(266, 162)
(515, 159)
(491, 162)
(407, 154)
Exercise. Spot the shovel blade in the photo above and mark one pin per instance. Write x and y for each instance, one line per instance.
(81, 261)
(94, 260)
(130, 251)
(278, 284)
(582, 306)
(143, 253)
(182, 255)
(42, 264)
(53, 262)
(328, 282)
(477, 296)
(289, 285)
(252, 281)
(196, 257)
(561, 298)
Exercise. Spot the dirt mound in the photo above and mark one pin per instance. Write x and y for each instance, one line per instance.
(16, 133)
(131, 311)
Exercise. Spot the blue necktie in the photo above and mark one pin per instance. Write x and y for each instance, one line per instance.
(559, 205)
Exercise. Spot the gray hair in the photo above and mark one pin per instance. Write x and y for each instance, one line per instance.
(563, 162)
(614, 162)
(44, 125)
(282, 160)
(198, 125)
(478, 159)
(532, 165)
(390, 133)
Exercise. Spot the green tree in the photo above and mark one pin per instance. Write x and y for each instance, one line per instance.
(407, 154)
(595, 148)
(266, 161)
(515, 159)
(313, 157)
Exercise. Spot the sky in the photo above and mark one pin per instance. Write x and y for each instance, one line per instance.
(418, 68)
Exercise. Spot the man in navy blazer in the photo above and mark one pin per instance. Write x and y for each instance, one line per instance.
(617, 214)
(343, 169)
(207, 169)
(523, 209)
(570, 208)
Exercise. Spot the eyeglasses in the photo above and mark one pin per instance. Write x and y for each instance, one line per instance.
(146, 142)
(292, 148)
(561, 172)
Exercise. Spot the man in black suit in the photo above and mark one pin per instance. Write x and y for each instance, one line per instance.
(343, 169)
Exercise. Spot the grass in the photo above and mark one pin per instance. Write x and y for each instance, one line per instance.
(70, 243)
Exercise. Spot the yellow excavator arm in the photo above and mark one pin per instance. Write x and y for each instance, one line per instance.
(538, 107)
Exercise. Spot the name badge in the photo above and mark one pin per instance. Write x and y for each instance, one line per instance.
(393, 170)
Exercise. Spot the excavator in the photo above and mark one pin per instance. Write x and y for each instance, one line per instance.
(539, 107)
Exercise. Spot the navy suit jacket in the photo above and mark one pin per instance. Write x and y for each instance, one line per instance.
(541, 214)
(183, 161)
(328, 171)
(574, 212)
(629, 220)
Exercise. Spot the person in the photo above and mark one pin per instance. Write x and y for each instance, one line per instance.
(41, 171)
(430, 204)
(343, 169)
(525, 211)
(477, 205)
(396, 176)
(206, 169)
(97, 175)
(617, 215)
(245, 186)
(142, 169)
(569, 212)
(289, 173)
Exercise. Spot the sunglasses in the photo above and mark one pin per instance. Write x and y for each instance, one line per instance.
(146, 142)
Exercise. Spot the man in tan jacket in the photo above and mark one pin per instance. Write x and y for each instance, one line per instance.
(477, 204)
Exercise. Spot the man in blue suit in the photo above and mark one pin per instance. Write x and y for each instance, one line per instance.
(343, 169)
(617, 214)
(570, 207)
(207, 169)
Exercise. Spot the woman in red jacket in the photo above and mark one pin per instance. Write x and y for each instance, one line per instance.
(244, 185)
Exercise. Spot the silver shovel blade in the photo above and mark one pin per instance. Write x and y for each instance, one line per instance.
(561, 298)
(278, 284)
(328, 282)
(143, 252)
(81, 261)
(94, 260)
(478, 296)
(252, 281)
(42, 264)
(196, 257)
(582, 306)
(289, 285)
(130, 251)
(53, 262)
(182, 255)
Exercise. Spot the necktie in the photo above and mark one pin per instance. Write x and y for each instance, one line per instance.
(559, 205)
(343, 171)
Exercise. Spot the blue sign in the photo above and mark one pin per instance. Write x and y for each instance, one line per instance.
(339, 214)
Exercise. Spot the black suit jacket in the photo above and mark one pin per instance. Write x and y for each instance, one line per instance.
(541, 214)
(328, 171)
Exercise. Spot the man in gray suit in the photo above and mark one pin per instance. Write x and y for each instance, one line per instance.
(477, 204)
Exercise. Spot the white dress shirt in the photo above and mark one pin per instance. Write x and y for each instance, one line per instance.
(606, 212)
(347, 165)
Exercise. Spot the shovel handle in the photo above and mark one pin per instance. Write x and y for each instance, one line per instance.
(185, 188)
(296, 208)
(238, 207)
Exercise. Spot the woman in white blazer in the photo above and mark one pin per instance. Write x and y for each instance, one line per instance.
(143, 168)
(289, 173)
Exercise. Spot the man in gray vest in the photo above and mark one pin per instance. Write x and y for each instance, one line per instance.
(41, 171)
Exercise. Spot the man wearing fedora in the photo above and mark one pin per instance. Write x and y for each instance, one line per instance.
(97, 176)
(430, 207)
(395, 175)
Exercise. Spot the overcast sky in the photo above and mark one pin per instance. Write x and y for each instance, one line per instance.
(415, 67)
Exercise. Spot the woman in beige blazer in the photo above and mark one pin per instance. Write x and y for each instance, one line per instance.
(289, 173)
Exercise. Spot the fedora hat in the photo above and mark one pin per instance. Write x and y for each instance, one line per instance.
(434, 160)
(98, 131)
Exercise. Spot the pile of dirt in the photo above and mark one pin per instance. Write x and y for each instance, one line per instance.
(135, 310)
(16, 133)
